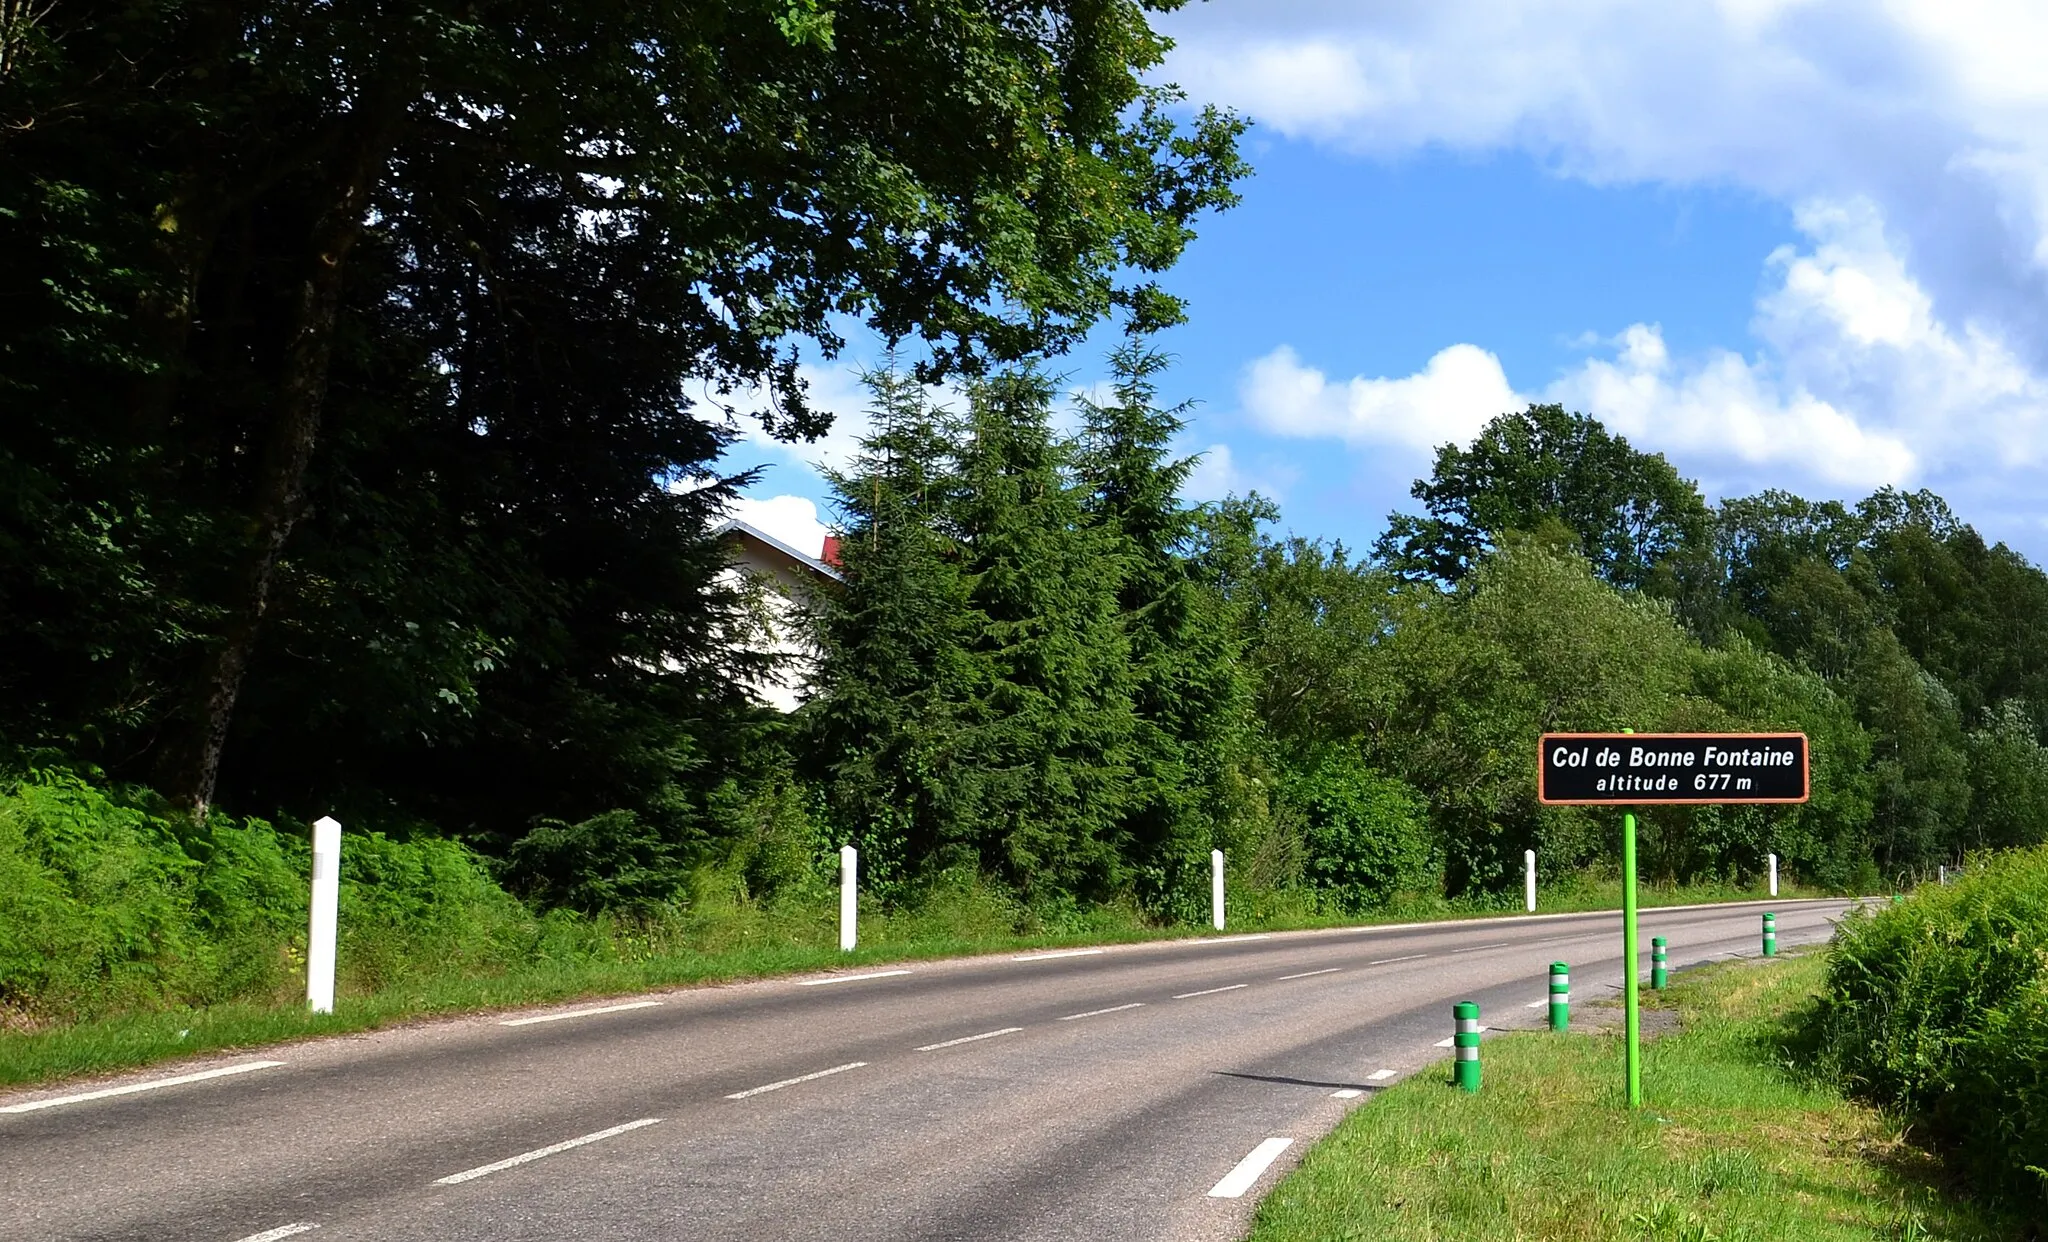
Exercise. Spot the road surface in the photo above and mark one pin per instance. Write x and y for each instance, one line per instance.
(1100, 1095)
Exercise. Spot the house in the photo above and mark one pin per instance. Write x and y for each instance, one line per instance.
(781, 580)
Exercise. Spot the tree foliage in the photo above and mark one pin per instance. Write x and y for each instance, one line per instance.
(346, 347)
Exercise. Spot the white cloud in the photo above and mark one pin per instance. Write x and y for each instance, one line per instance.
(1449, 399)
(834, 388)
(1220, 474)
(1904, 339)
(1725, 412)
(1858, 383)
(1935, 112)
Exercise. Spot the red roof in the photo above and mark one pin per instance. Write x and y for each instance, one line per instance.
(830, 554)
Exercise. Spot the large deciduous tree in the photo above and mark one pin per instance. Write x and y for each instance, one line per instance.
(1629, 510)
(260, 261)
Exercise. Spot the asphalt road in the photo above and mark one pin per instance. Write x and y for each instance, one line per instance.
(1098, 1095)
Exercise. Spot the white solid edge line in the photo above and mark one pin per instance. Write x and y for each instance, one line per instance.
(791, 1082)
(581, 1013)
(1379, 1075)
(1346, 1093)
(1385, 960)
(1536, 1004)
(133, 1087)
(282, 1231)
(1046, 957)
(1096, 1012)
(1478, 948)
(1240, 1179)
(1306, 973)
(879, 974)
(968, 1039)
(471, 1174)
(1445, 1043)
(1231, 987)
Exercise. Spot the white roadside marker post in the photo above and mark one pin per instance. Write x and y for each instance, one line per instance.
(325, 907)
(849, 862)
(1774, 875)
(1529, 880)
(1216, 888)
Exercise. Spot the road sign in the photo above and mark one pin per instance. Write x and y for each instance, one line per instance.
(1598, 769)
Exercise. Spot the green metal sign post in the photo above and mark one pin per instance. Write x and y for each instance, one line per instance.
(1628, 769)
(1631, 1001)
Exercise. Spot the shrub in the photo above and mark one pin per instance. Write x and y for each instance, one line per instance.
(107, 905)
(1937, 1007)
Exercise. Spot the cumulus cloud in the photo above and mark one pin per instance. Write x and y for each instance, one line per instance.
(1904, 339)
(1726, 412)
(1449, 399)
(1935, 112)
(1858, 383)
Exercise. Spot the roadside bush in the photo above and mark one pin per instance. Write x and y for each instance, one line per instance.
(1365, 834)
(108, 906)
(1939, 1007)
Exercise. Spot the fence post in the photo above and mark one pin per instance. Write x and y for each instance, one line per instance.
(1529, 879)
(849, 897)
(1658, 974)
(1465, 1015)
(1774, 875)
(1560, 996)
(325, 908)
(1770, 935)
(1944, 873)
(1216, 888)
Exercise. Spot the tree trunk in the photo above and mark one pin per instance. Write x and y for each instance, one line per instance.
(190, 763)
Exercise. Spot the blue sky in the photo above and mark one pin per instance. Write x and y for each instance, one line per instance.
(1788, 243)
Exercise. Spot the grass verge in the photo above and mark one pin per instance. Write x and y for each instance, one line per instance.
(1736, 1145)
(741, 944)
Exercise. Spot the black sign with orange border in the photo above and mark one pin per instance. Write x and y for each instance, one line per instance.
(1674, 769)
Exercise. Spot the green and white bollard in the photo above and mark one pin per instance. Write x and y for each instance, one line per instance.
(1560, 996)
(1465, 1070)
(1659, 975)
(1770, 935)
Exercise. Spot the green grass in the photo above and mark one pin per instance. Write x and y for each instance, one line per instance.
(1735, 1145)
(712, 944)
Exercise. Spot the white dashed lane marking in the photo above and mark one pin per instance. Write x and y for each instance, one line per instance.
(791, 1082)
(968, 1039)
(468, 1175)
(1097, 1012)
(1240, 1179)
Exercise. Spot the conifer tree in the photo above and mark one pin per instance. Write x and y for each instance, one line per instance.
(1053, 723)
(1189, 694)
(895, 675)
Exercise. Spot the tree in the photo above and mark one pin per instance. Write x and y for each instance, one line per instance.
(1630, 510)
(1052, 731)
(896, 680)
(228, 231)
(1193, 722)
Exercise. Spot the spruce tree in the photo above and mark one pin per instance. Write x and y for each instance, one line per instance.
(1193, 724)
(1053, 724)
(894, 677)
